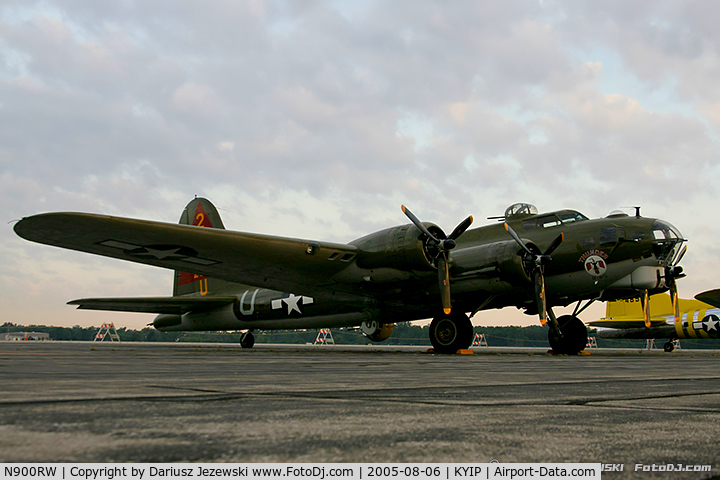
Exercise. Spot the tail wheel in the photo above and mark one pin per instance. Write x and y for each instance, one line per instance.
(450, 333)
(573, 339)
(247, 340)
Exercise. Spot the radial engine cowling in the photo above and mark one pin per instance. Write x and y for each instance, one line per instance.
(377, 332)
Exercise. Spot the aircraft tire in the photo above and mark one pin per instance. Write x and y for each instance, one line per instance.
(450, 333)
(669, 346)
(247, 340)
(574, 338)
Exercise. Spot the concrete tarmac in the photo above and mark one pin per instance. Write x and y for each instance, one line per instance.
(153, 402)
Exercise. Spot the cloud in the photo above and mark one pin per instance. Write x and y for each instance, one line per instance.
(276, 108)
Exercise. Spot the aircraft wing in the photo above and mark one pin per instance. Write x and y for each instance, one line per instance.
(169, 305)
(627, 323)
(279, 263)
(711, 297)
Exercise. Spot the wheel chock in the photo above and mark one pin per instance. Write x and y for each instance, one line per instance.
(464, 351)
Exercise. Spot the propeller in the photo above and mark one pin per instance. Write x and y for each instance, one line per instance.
(672, 273)
(537, 262)
(442, 256)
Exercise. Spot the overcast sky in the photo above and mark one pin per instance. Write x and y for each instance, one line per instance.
(319, 119)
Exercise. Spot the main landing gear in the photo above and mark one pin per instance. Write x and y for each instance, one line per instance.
(450, 333)
(572, 337)
(247, 339)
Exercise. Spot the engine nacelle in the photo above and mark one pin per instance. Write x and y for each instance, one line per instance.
(401, 248)
(498, 259)
(642, 278)
(376, 331)
(168, 323)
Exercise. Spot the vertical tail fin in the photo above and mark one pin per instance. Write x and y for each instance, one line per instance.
(200, 212)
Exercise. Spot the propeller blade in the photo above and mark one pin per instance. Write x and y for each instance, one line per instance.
(419, 224)
(540, 296)
(444, 281)
(675, 302)
(460, 229)
(517, 238)
(554, 245)
(646, 308)
(681, 255)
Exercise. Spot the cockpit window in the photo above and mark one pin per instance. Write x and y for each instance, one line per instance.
(664, 231)
(569, 217)
(666, 241)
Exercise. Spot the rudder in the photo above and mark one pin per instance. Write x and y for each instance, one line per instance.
(200, 212)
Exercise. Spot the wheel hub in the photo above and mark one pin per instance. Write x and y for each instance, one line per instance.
(446, 332)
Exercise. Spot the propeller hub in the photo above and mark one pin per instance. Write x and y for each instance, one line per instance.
(543, 259)
(676, 270)
(448, 244)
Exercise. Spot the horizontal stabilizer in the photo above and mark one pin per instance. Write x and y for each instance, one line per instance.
(711, 297)
(169, 305)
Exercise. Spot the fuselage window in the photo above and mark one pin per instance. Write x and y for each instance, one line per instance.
(608, 236)
(638, 236)
(548, 222)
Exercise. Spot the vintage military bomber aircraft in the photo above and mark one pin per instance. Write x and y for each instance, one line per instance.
(227, 280)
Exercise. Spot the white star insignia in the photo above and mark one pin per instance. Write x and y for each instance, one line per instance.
(710, 324)
(292, 302)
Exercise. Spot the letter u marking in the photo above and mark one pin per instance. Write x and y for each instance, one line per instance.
(252, 302)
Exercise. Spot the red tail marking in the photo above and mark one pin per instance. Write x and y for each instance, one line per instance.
(200, 220)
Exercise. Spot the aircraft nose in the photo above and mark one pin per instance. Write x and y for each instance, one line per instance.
(667, 241)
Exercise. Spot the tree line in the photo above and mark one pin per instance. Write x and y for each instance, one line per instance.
(405, 334)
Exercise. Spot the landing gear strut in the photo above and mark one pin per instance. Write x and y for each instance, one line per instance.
(450, 333)
(247, 339)
(572, 337)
